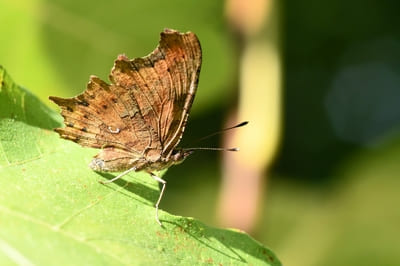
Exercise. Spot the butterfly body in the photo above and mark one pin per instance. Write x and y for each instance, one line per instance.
(103, 163)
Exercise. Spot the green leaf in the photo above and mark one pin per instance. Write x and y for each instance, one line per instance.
(54, 211)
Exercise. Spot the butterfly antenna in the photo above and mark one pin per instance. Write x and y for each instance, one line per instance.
(222, 131)
(211, 149)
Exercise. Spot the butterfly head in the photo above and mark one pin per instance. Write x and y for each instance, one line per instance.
(179, 155)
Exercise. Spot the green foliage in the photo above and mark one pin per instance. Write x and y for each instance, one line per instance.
(54, 45)
(54, 211)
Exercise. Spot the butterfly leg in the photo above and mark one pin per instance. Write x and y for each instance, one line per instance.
(118, 176)
(164, 183)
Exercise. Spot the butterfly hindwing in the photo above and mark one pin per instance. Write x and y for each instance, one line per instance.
(100, 118)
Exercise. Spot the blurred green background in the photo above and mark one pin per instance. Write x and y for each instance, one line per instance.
(333, 194)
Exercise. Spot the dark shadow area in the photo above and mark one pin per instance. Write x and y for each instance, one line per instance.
(137, 188)
(195, 170)
(198, 126)
(336, 75)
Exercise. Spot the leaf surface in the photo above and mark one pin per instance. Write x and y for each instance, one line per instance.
(54, 211)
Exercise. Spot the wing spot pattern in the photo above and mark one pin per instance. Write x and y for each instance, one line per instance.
(114, 131)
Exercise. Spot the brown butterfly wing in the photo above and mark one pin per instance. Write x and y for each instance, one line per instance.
(163, 84)
(105, 116)
(141, 116)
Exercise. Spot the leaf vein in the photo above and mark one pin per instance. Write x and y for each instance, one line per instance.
(82, 240)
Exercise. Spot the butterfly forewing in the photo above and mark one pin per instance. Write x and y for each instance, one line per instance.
(163, 84)
(188, 58)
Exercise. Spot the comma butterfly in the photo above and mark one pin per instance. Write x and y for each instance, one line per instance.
(138, 120)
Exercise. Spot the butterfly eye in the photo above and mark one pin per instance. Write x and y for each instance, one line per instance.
(97, 164)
